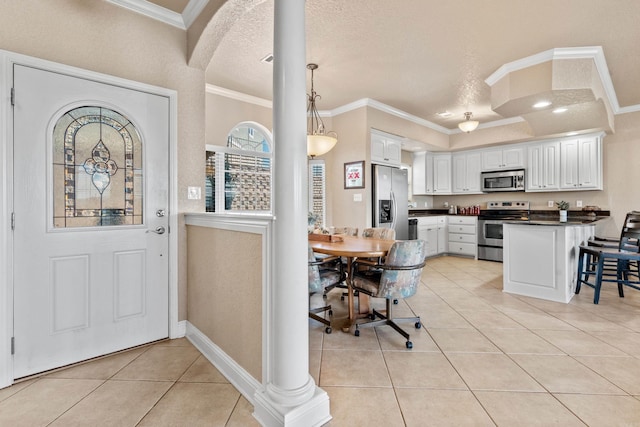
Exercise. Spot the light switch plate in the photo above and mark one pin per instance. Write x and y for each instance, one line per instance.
(357, 197)
(578, 203)
(550, 203)
(193, 193)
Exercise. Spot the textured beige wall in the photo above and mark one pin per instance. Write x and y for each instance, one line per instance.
(392, 124)
(352, 146)
(102, 37)
(225, 292)
(223, 113)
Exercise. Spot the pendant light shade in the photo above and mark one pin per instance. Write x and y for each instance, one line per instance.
(319, 141)
(468, 125)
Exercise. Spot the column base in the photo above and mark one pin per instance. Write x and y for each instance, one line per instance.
(312, 412)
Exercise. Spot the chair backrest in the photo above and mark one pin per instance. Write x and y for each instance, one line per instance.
(382, 233)
(315, 282)
(403, 283)
(630, 235)
(347, 231)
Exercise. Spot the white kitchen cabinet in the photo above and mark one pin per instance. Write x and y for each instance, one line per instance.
(431, 173)
(466, 173)
(419, 174)
(463, 235)
(503, 158)
(581, 163)
(443, 235)
(431, 229)
(441, 173)
(543, 167)
(386, 149)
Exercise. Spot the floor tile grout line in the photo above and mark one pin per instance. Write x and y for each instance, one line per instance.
(76, 403)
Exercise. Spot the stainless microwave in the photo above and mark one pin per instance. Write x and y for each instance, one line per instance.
(511, 180)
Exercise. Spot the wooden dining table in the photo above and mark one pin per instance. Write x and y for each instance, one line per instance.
(351, 248)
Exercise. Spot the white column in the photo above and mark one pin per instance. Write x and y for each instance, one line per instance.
(290, 396)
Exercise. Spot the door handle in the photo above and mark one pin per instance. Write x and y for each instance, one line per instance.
(159, 230)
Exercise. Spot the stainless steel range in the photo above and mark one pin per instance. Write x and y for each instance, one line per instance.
(490, 226)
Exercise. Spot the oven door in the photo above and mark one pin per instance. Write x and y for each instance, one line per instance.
(490, 232)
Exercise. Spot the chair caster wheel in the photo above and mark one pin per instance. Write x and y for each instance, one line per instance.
(395, 301)
(357, 333)
(409, 345)
(331, 314)
(327, 329)
(371, 316)
(418, 325)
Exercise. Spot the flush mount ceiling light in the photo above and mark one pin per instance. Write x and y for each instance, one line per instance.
(541, 104)
(560, 110)
(444, 114)
(319, 141)
(468, 125)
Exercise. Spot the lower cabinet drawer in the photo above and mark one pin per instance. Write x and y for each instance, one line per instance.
(462, 238)
(466, 229)
(462, 248)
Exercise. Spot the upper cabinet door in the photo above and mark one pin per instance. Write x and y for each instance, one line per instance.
(466, 173)
(419, 174)
(543, 167)
(581, 164)
(386, 149)
(503, 158)
(442, 173)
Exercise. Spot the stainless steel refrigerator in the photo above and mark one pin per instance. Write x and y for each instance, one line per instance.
(390, 199)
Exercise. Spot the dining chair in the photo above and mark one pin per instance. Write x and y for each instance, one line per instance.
(609, 261)
(347, 231)
(319, 279)
(382, 233)
(398, 278)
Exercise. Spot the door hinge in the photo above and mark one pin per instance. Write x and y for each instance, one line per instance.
(13, 345)
(13, 221)
(13, 96)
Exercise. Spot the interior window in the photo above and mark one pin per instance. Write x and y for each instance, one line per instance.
(238, 175)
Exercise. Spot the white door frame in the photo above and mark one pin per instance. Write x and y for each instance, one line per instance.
(7, 60)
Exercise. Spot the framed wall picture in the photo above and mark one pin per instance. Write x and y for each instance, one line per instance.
(354, 175)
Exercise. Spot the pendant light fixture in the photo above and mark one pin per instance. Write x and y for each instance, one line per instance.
(319, 141)
(468, 125)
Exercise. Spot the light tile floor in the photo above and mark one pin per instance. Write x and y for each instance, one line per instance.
(483, 357)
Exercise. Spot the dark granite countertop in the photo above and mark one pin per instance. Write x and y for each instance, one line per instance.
(557, 222)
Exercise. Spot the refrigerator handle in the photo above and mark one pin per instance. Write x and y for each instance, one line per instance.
(394, 208)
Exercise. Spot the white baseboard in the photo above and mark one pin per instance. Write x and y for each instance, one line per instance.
(179, 330)
(236, 374)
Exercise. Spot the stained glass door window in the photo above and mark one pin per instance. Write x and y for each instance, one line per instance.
(97, 169)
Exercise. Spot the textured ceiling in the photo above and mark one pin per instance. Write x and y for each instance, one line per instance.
(428, 56)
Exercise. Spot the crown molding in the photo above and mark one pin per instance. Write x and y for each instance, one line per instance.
(368, 102)
(589, 52)
(159, 13)
(238, 96)
(192, 11)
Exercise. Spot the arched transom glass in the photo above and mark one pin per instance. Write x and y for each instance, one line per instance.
(97, 169)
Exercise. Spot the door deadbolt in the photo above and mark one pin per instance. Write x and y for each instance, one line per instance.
(160, 213)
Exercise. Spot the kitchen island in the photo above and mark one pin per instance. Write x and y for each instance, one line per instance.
(540, 257)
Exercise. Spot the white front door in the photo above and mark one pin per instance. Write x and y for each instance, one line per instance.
(91, 177)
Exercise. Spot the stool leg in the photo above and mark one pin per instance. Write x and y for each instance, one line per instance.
(599, 268)
(580, 266)
(623, 276)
